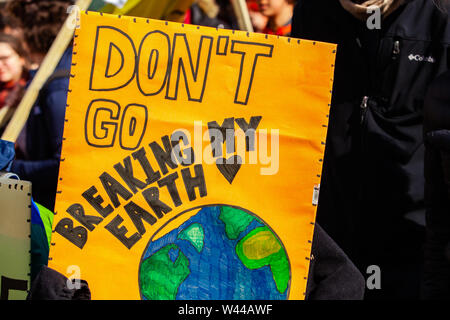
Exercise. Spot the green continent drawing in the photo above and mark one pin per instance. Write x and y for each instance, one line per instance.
(235, 221)
(219, 253)
(195, 235)
(160, 277)
(261, 248)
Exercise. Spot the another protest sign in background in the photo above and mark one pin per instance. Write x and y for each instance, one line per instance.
(191, 160)
(15, 243)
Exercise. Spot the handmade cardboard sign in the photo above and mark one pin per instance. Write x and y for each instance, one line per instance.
(15, 243)
(191, 160)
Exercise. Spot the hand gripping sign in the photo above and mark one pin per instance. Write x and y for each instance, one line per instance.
(190, 160)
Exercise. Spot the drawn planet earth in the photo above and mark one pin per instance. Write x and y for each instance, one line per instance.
(220, 253)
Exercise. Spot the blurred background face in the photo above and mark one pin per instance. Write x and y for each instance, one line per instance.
(11, 64)
(259, 21)
(271, 8)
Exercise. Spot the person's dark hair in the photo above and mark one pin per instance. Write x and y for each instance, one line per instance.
(14, 43)
(41, 20)
(8, 22)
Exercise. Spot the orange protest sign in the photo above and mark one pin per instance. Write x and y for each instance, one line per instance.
(191, 159)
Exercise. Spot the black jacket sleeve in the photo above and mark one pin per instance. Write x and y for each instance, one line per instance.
(436, 280)
(332, 276)
(52, 285)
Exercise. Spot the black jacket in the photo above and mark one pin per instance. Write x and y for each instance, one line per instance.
(373, 167)
(332, 276)
(436, 283)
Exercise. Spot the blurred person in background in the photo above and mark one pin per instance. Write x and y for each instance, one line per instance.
(38, 147)
(12, 26)
(13, 72)
(13, 76)
(372, 191)
(279, 14)
(259, 21)
(205, 13)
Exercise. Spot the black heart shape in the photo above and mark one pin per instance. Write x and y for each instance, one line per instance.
(229, 168)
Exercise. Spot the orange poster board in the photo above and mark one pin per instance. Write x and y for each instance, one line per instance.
(191, 160)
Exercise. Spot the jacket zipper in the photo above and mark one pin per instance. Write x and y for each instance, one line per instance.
(363, 107)
(365, 99)
(396, 50)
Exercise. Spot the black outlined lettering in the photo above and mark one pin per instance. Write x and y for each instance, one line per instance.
(153, 63)
(222, 45)
(78, 235)
(76, 210)
(108, 65)
(101, 80)
(250, 52)
(219, 134)
(126, 173)
(151, 195)
(163, 157)
(189, 156)
(152, 176)
(120, 232)
(249, 130)
(194, 77)
(101, 114)
(132, 126)
(137, 214)
(169, 182)
(191, 183)
(101, 124)
(113, 188)
(96, 202)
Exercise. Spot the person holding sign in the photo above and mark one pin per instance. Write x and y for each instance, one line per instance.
(372, 189)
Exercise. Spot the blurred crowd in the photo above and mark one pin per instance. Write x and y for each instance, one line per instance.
(385, 192)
